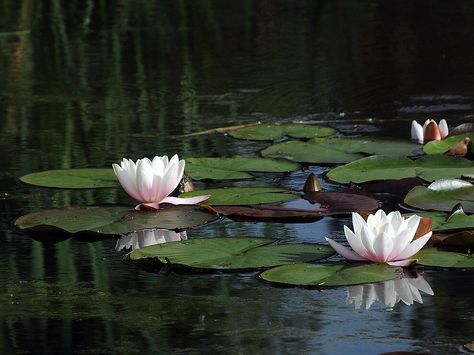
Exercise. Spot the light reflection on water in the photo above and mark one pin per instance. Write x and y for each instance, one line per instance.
(90, 84)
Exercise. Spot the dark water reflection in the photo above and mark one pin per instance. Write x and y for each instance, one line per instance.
(85, 83)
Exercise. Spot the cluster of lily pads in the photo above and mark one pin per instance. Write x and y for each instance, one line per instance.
(436, 176)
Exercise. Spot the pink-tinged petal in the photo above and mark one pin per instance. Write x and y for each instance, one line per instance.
(401, 263)
(150, 206)
(170, 177)
(345, 252)
(156, 191)
(368, 241)
(355, 242)
(185, 201)
(126, 181)
(443, 128)
(414, 247)
(416, 132)
(145, 180)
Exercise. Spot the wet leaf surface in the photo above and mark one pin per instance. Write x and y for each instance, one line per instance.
(275, 131)
(424, 198)
(87, 178)
(240, 253)
(436, 257)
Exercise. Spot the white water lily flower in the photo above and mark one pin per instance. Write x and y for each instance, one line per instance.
(430, 131)
(389, 292)
(382, 239)
(152, 181)
(146, 237)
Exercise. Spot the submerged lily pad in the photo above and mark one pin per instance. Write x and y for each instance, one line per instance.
(442, 146)
(339, 150)
(262, 132)
(428, 168)
(436, 257)
(316, 205)
(330, 275)
(87, 178)
(112, 220)
(243, 195)
(236, 167)
(230, 253)
(442, 200)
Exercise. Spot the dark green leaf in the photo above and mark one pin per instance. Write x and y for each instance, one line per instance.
(274, 131)
(73, 178)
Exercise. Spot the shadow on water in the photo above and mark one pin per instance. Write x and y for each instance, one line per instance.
(85, 83)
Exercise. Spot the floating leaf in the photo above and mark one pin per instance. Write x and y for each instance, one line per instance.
(243, 195)
(236, 167)
(305, 274)
(428, 168)
(442, 146)
(396, 187)
(112, 220)
(87, 178)
(437, 257)
(441, 200)
(273, 131)
(338, 150)
(230, 253)
(316, 205)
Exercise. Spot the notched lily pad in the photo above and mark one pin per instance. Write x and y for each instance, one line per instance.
(329, 275)
(436, 257)
(441, 200)
(236, 167)
(339, 150)
(112, 220)
(87, 178)
(229, 254)
(314, 206)
(243, 195)
(379, 167)
(262, 132)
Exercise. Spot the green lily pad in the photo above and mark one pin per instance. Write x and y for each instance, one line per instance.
(338, 150)
(329, 275)
(262, 132)
(436, 257)
(243, 195)
(442, 146)
(236, 167)
(442, 222)
(444, 200)
(112, 220)
(230, 253)
(87, 178)
(428, 168)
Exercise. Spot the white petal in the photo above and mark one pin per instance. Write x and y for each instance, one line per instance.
(421, 284)
(355, 242)
(383, 246)
(368, 242)
(127, 182)
(427, 122)
(414, 247)
(448, 184)
(145, 180)
(443, 128)
(417, 132)
(357, 223)
(185, 201)
(345, 252)
(401, 263)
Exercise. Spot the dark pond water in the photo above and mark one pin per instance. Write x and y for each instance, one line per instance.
(85, 83)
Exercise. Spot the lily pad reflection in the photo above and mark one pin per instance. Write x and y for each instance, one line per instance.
(389, 293)
(149, 237)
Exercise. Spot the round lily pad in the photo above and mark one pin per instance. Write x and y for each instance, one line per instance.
(428, 168)
(263, 132)
(236, 167)
(220, 253)
(339, 150)
(442, 200)
(436, 257)
(112, 220)
(442, 146)
(87, 178)
(243, 195)
(317, 275)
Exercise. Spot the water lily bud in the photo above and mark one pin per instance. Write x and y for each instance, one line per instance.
(186, 185)
(432, 132)
(312, 184)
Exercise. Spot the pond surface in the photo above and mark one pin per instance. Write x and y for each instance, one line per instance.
(85, 83)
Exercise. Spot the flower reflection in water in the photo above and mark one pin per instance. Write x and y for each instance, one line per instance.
(148, 237)
(389, 292)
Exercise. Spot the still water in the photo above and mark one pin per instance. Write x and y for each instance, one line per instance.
(85, 83)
